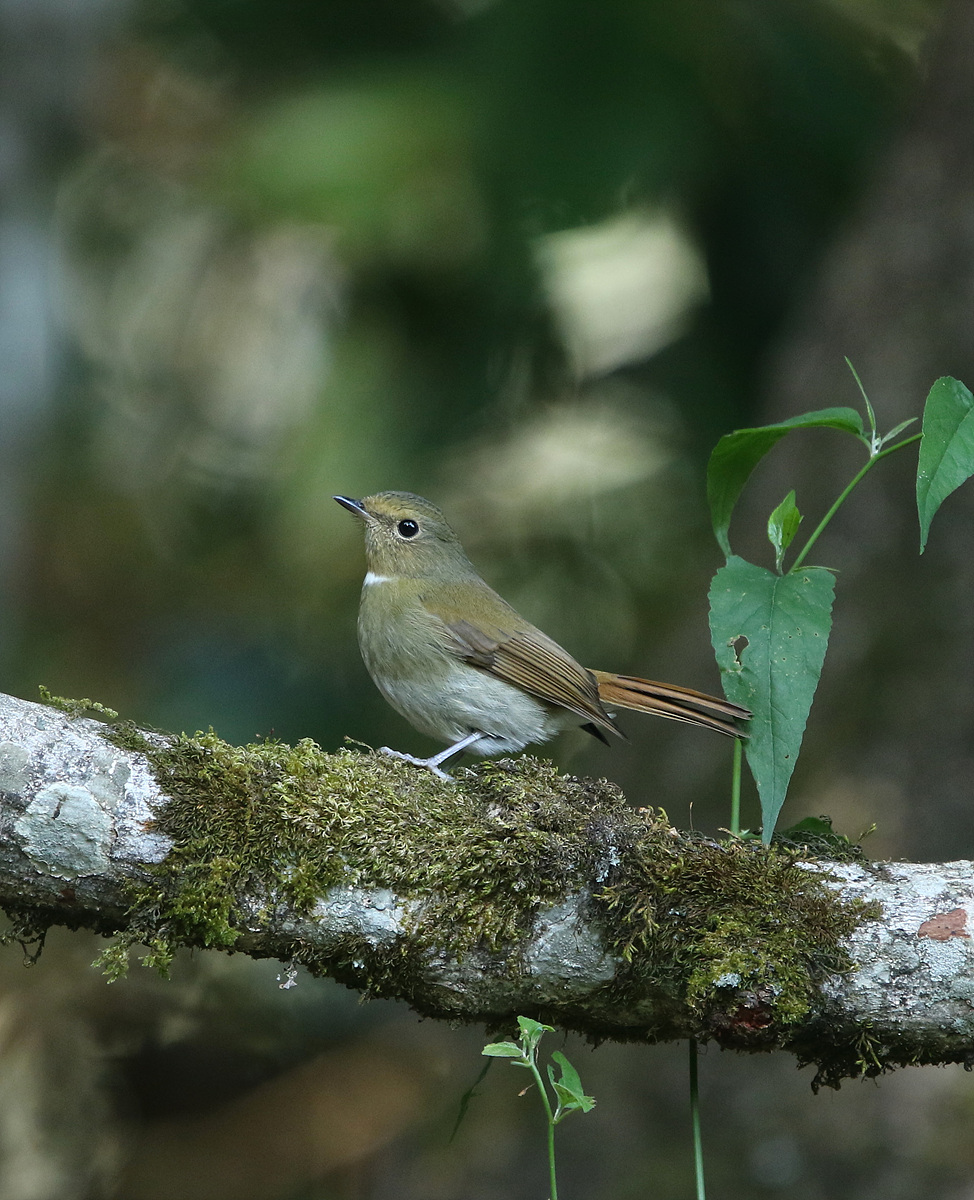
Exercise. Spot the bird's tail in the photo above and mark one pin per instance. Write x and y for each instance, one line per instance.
(667, 700)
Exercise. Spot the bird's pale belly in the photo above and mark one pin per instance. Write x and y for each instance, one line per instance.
(466, 700)
(445, 698)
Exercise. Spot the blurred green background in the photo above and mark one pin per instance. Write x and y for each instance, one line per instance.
(530, 260)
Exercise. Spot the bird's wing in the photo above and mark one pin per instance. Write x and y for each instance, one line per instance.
(529, 659)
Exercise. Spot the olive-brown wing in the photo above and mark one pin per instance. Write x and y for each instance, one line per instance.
(529, 659)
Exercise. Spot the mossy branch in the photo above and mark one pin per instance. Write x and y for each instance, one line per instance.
(515, 890)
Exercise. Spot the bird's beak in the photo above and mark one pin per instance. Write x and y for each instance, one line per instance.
(353, 506)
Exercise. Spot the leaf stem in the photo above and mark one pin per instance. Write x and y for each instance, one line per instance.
(542, 1091)
(873, 459)
(695, 1122)
(735, 813)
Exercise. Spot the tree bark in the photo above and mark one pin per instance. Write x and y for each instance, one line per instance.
(79, 831)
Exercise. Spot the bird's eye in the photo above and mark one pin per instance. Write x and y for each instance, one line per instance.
(407, 529)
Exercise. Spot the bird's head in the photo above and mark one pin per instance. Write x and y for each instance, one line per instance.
(406, 535)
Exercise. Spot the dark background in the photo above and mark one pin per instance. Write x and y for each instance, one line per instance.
(531, 260)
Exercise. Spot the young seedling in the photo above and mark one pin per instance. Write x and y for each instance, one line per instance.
(565, 1083)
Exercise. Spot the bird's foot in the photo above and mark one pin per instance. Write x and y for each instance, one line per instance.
(428, 763)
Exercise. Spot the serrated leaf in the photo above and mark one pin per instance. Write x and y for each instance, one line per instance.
(770, 633)
(737, 454)
(947, 449)
(782, 527)
(503, 1050)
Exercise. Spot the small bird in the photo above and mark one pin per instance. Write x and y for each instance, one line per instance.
(463, 667)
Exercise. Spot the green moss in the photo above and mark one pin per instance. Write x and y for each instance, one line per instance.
(737, 933)
(75, 708)
(815, 836)
(855, 1051)
(28, 929)
(725, 939)
(285, 824)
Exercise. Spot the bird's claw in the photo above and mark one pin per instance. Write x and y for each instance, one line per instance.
(428, 763)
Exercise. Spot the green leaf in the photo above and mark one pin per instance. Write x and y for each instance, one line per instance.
(568, 1103)
(782, 527)
(820, 826)
(862, 391)
(568, 1088)
(532, 1032)
(770, 633)
(503, 1050)
(737, 454)
(569, 1076)
(818, 836)
(896, 430)
(947, 449)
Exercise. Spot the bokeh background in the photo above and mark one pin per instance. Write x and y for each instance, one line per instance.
(530, 258)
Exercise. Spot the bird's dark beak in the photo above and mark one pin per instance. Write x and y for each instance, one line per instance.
(353, 506)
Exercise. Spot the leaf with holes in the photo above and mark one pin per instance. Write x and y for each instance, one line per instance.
(770, 633)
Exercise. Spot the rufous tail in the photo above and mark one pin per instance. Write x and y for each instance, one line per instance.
(667, 700)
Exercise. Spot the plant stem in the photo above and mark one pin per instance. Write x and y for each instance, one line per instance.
(735, 814)
(553, 1183)
(695, 1123)
(873, 459)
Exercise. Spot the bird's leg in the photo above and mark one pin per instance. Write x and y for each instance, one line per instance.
(433, 764)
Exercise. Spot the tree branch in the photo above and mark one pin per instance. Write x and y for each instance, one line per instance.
(562, 902)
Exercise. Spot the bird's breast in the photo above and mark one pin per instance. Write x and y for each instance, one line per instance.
(405, 653)
(398, 637)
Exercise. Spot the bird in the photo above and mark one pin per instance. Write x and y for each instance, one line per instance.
(464, 667)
